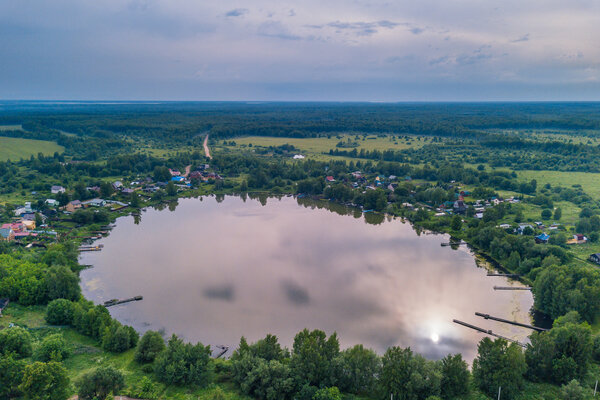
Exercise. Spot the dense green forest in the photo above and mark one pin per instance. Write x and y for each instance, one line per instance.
(489, 174)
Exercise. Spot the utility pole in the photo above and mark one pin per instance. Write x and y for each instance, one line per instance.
(499, 391)
(596, 388)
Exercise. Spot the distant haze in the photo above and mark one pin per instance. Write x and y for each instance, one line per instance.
(351, 50)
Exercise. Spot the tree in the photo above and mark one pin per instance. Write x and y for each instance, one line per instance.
(11, 375)
(16, 340)
(62, 283)
(328, 393)
(171, 189)
(456, 223)
(546, 213)
(359, 369)
(45, 381)
(53, 348)
(312, 358)
(59, 312)
(558, 213)
(572, 391)
(499, 364)
(118, 338)
(408, 376)
(98, 383)
(106, 189)
(455, 377)
(184, 364)
(149, 347)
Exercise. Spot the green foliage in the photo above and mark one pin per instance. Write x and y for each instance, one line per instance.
(145, 389)
(59, 312)
(11, 375)
(456, 223)
(328, 393)
(52, 348)
(98, 383)
(313, 357)
(358, 370)
(17, 341)
(455, 377)
(62, 283)
(499, 364)
(184, 363)
(45, 381)
(118, 338)
(150, 345)
(408, 376)
(572, 391)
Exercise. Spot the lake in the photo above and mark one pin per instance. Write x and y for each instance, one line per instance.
(212, 270)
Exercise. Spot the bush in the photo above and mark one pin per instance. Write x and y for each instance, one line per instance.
(11, 375)
(59, 312)
(45, 381)
(572, 391)
(99, 383)
(329, 393)
(53, 348)
(184, 363)
(149, 347)
(62, 283)
(15, 340)
(118, 338)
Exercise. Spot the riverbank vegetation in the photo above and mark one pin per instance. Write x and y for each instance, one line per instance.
(517, 182)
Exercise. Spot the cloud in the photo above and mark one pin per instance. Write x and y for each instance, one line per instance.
(276, 29)
(225, 292)
(295, 293)
(237, 12)
(523, 38)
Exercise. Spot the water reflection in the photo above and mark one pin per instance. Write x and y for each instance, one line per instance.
(214, 271)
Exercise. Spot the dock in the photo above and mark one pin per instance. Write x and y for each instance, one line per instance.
(115, 302)
(488, 332)
(452, 243)
(91, 248)
(511, 288)
(504, 275)
(488, 316)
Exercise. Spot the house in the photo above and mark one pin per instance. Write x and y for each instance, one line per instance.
(94, 203)
(459, 207)
(174, 172)
(478, 215)
(577, 239)
(28, 224)
(392, 177)
(73, 205)
(127, 191)
(329, 178)
(357, 175)
(504, 226)
(57, 189)
(117, 185)
(543, 238)
(52, 202)
(7, 234)
(298, 157)
(178, 179)
(595, 258)
(14, 226)
(522, 228)
(408, 205)
(94, 189)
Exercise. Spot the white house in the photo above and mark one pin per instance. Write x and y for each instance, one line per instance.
(57, 189)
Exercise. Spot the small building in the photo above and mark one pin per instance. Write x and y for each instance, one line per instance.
(94, 203)
(57, 189)
(117, 185)
(52, 202)
(504, 226)
(578, 238)
(595, 258)
(174, 172)
(298, 157)
(127, 191)
(329, 178)
(543, 238)
(522, 228)
(72, 206)
(178, 179)
(7, 234)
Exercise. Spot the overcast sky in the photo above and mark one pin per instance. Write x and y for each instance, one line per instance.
(396, 50)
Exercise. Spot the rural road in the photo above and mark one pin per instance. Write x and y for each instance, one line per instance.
(206, 149)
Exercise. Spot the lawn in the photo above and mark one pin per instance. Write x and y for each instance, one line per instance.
(15, 148)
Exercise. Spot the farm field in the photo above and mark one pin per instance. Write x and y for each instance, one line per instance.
(15, 149)
(590, 182)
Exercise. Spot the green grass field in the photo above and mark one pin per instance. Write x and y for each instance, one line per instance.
(315, 147)
(15, 148)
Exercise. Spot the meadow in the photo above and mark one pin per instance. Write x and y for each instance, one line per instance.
(15, 149)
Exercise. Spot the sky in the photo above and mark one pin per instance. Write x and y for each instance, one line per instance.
(308, 50)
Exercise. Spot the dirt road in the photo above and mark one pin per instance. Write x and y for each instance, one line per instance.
(206, 149)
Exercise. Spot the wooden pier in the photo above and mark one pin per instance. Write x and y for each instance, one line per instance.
(453, 243)
(511, 288)
(504, 275)
(91, 248)
(488, 332)
(488, 316)
(115, 302)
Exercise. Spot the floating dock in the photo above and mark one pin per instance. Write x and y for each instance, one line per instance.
(511, 288)
(115, 302)
(488, 316)
(488, 332)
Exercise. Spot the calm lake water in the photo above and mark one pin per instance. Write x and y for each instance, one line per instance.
(212, 271)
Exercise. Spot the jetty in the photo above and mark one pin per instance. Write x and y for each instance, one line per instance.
(453, 243)
(224, 349)
(504, 275)
(511, 288)
(115, 302)
(91, 248)
(506, 321)
(488, 332)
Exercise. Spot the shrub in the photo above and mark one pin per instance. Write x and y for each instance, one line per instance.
(53, 348)
(59, 312)
(45, 381)
(99, 383)
(149, 347)
(15, 340)
(184, 363)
